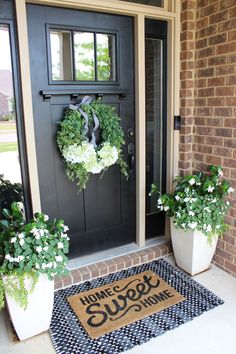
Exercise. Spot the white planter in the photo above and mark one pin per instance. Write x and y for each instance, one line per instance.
(37, 316)
(193, 253)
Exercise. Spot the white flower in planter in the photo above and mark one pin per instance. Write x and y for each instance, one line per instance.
(192, 225)
(39, 249)
(230, 190)
(210, 189)
(22, 242)
(60, 245)
(191, 213)
(191, 181)
(13, 240)
(59, 258)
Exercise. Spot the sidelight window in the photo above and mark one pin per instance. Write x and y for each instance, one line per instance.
(82, 56)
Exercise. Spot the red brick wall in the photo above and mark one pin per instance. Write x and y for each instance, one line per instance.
(208, 100)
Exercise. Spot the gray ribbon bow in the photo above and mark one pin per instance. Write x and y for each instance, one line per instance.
(87, 100)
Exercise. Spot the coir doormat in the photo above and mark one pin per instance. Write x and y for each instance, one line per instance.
(70, 337)
(102, 310)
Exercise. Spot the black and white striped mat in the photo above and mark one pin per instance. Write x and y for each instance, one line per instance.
(69, 337)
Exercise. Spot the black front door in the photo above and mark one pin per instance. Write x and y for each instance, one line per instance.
(72, 54)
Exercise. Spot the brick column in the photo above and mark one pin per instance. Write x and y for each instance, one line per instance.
(209, 100)
(187, 71)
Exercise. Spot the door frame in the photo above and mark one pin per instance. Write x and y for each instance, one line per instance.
(170, 13)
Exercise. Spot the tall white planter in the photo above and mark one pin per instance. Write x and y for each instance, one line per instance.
(37, 316)
(193, 253)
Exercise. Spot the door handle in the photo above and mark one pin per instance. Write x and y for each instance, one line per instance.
(131, 157)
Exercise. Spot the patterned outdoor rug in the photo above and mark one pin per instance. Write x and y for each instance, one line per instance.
(69, 336)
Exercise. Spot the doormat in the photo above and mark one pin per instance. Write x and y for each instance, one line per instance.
(104, 309)
(69, 336)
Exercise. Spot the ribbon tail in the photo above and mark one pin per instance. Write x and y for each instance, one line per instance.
(96, 125)
(73, 107)
(86, 120)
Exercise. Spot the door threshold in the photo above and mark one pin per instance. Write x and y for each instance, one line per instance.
(112, 253)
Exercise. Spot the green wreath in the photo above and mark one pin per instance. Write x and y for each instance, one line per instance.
(77, 142)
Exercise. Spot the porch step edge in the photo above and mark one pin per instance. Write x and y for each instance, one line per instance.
(102, 268)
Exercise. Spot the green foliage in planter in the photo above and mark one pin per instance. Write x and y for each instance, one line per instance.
(14, 286)
(9, 192)
(37, 247)
(198, 202)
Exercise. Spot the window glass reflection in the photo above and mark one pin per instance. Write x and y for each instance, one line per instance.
(61, 58)
(158, 3)
(84, 56)
(105, 52)
(154, 82)
(10, 173)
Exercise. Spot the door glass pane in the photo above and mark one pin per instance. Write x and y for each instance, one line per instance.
(105, 51)
(158, 3)
(10, 172)
(84, 56)
(154, 82)
(61, 58)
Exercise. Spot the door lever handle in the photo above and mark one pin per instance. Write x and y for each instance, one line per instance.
(131, 163)
(131, 157)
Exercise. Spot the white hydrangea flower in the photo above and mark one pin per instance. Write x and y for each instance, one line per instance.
(159, 202)
(37, 266)
(11, 259)
(21, 235)
(198, 183)
(230, 190)
(178, 214)
(92, 165)
(191, 213)
(191, 181)
(7, 257)
(210, 189)
(227, 202)
(166, 208)
(177, 197)
(108, 155)
(49, 265)
(79, 153)
(186, 199)
(45, 248)
(39, 249)
(65, 228)
(46, 217)
(21, 258)
(60, 245)
(13, 239)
